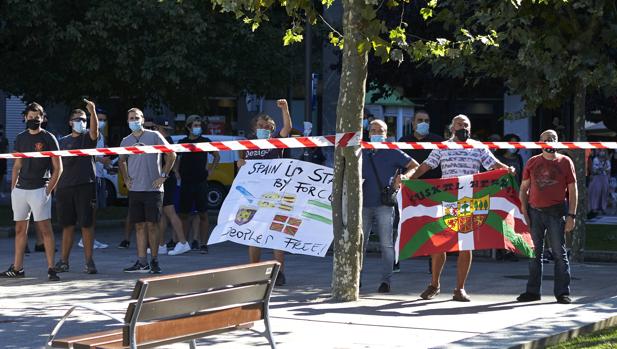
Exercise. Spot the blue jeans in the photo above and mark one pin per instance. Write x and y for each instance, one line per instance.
(542, 223)
(382, 216)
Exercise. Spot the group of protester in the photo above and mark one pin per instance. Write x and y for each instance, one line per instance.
(78, 191)
(547, 180)
(151, 180)
(548, 197)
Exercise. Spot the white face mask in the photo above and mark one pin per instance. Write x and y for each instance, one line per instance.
(102, 124)
(422, 128)
(135, 125)
(308, 127)
(79, 126)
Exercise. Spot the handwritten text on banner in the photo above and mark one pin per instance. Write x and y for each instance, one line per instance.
(282, 204)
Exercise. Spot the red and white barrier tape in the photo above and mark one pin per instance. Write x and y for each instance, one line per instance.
(489, 145)
(339, 140)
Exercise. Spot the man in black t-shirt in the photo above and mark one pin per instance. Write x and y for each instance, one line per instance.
(32, 182)
(4, 148)
(76, 193)
(421, 123)
(192, 171)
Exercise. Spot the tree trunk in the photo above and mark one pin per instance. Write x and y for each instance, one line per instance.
(578, 236)
(347, 190)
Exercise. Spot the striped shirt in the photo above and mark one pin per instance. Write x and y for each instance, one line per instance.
(460, 162)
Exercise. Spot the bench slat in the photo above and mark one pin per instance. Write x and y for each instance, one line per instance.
(114, 345)
(85, 338)
(117, 341)
(195, 326)
(202, 280)
(181, 305)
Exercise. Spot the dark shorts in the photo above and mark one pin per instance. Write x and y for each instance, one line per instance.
(145, 206)
(101, 193)
(76, 204)
(193, 197)
(170, 187)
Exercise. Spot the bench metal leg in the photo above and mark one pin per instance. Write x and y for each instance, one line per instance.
(193, 344)
(268, 333)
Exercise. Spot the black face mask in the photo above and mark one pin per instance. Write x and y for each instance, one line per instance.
(552, 150)
(33, 124)
(462, 134)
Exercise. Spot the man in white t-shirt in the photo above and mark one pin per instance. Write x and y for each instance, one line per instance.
(456, 163)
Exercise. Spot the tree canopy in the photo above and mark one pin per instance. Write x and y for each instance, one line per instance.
(145, 52)
(543, 48)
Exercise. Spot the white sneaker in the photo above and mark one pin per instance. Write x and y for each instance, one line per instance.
(162, 249)
(95, 245)
(180, 249)
(100, 245)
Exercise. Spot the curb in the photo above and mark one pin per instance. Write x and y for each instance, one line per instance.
(533, 335)
(600, 256)
(573, 333)
(372, 247)
(9, 232)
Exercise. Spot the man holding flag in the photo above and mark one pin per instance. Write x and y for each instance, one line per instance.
(457, 163)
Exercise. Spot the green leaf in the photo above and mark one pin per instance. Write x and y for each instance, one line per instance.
(392, 3)
(335, 40)
(426, 13)
(291, 37)
(398, 35)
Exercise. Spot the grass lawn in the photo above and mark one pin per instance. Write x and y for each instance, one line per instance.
(605, 339)
(601, 237)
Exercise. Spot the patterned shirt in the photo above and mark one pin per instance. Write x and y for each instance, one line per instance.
(460, 162)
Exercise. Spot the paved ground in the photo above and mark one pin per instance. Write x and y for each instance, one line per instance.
(302, 314)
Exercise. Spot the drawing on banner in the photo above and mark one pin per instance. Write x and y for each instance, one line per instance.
(283, 204)
(467, 214)
(245, 214)
(285, 224)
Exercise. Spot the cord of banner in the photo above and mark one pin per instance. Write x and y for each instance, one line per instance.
(348, 139)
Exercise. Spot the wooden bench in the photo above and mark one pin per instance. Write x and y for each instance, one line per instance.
(183, 307)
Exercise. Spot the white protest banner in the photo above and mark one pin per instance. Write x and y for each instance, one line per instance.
(283, 204)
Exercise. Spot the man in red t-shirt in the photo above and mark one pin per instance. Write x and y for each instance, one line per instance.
(548, 179)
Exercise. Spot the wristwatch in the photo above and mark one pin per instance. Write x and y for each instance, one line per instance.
(572, 215)
(163, 174)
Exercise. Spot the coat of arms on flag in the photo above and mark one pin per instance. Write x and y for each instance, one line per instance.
(465, 213)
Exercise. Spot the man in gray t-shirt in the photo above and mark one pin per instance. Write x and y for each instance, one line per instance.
(144, 179)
